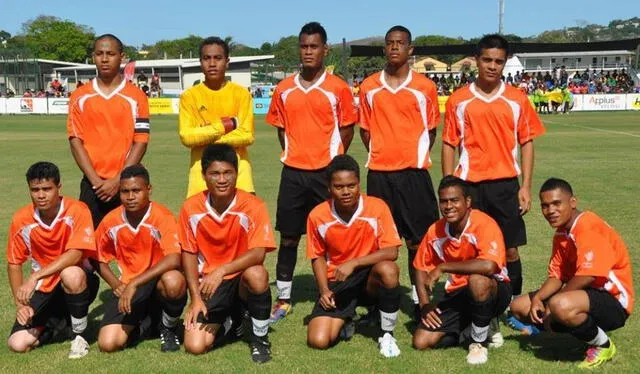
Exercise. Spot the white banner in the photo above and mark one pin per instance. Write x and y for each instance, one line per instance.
(3, 105)
(604, 102)
(26, 105)
(578, 103)
(633, 102)
(58, 105)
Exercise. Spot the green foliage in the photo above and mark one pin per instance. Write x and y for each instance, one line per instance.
(53, 38)
(287, 56)
(186, 47)
(433, 40)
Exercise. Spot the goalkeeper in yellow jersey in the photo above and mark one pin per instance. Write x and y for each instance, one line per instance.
(216, 111)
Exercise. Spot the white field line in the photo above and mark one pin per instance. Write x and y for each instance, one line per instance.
(593, 128)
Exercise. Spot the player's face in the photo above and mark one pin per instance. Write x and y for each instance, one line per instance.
(453, 205)
(213, 62)
(397, 48)
(312, 51)
(344, 189)
(220, 178)
(45, 194)
(557, 207)
(491, 64)
(107, 57)
(134, 194)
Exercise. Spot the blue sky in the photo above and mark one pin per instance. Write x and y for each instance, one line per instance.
(254, 22)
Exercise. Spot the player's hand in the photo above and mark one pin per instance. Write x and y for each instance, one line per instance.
(432, 278)
(124, 305)
(327, 300)
(431, 317)
(229, 123)
(24, 314)
(547, 320)
(537, 310)
(210, 283)
(524, 197)
(343, 271)
(196, 307)
(26, 290)
(119, 289)
(108, 189)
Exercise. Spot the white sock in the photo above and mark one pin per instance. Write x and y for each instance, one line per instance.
(388, 321)
(78, 325)
(600, 339)
(414, 294)
(479, 334)
(260, 327)
(284, 289)
(168, 321)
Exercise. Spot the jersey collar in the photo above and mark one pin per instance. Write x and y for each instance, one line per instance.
(320, 80)
(36, 216)
(474, 91)
(212, 211)
(112, 94)
(462, 234)
(403, 85)
(355, 215)
(142, 221)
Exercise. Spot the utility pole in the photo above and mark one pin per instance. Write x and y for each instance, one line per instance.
(344, 59)
(501, 17)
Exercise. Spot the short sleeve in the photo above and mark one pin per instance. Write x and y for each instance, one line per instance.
(451, 132)
(348, 109)
(490, 244)
(433, 108)
(17, 250)
(169, 241)
(315, 244)
(276, 110)
(594, 253)
(554, 270)
(426, 258)
(185, 233)
(260, 231)
(529, 124)
(364, 109)
(75, 123)
(387, 231)
(82, 234)
(104, 243)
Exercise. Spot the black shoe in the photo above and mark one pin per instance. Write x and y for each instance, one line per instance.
(241, 324)
(260, 349)
(168, 339)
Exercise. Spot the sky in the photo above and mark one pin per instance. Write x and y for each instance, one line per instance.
(251, 22)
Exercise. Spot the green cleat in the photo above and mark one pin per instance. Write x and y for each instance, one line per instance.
(597, 356)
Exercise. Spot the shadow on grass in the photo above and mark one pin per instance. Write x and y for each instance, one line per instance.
(551, 346)
(407, 306)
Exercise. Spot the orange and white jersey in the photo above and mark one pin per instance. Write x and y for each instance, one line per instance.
(311, 118)
(136, 249)
(399, 121)
(593, 248)
(218, 239)
(370, 229)
(489, 131)
(108, 125)
(480, 239)
(32, 239)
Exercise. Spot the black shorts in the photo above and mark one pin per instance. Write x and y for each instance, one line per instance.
(499, 199)
(348, 295)
(455, 308)
(300, 192)
(98, 208)
(143, 303)
(221, 304)
(410, 196)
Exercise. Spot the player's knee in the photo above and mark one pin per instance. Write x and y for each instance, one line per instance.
(423, 340)
(317, 340)
(561, 308)
(19, 344)
(195, 347)
(290, 241)
(389, 273)
(256, 279)
(109, 344)
(74, 279)
(520, 306)
(173, 285)
(513, 254)
(479, 287)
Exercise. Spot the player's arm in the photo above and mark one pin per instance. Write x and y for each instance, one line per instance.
(81, 156)
(526, 160)
(448, 156)
(197, 306)
(194, 131)
(474, 266)
(432, 137)
(107, 274)
(14, 272)
(343, 271)
(327, 299)
(424, 292)
(212, 281)
(538, 311)
(346, 135)
(281, 137)
(168, 262)
(244, 134)
(68, 258)
(366, 138)
(579, 282)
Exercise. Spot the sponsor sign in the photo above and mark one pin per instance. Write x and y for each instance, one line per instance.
(58, 105)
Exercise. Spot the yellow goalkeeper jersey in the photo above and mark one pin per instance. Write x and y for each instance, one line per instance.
(201, 110)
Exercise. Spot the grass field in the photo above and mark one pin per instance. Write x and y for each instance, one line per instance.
(596, 152)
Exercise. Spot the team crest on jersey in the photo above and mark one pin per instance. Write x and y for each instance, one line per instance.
(493, 248)
(588, 257)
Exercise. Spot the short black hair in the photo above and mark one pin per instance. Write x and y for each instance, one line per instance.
(218, 152)
(43, 170)
(492, 41)
(556, 183)
(135, 171)
(453, 181)
(314, 28)
(398, 28)
(217, 41)
(109, 36)
(343, 163)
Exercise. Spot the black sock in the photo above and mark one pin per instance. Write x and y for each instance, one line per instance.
(515, 275)
(259, 309)
(287, 258)
(586, 331)
(481, 314)
(173, 309)
(78, 305)
(412, 271)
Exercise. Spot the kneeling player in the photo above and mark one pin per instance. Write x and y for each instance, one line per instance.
(54, 233)
(142, 238)
(589, 289)
(352, 243)
(468, 245)
(225, 234)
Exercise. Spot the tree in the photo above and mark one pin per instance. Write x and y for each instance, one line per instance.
(4, 36)
(52, 38)
(287, 57)
(431, 40)
(188, 47)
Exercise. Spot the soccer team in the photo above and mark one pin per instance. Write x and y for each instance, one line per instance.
(213, 254)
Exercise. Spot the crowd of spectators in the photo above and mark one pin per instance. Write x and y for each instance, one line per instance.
(577, 82)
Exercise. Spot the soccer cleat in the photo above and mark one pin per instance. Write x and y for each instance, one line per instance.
(348, 329)
(260, 349)
(524, 328)
(280, 310)
(79, 348)
(478, 354)
(496, 340)
(597, 356)
(169, 341)
(388, 346)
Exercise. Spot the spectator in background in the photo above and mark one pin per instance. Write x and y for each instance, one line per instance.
(509, 78)
(142, 79)
(27, 93)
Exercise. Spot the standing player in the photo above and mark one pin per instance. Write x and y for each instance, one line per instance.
(225, 234)
(216, 111)
(352, 243)
(142, 238)
(108, 128)
(468, 245)
(399, 117)
(314, 114)
(488, 121)
(54, 233)
(590, 288)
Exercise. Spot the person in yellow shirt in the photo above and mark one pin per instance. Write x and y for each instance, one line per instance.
(216, 111)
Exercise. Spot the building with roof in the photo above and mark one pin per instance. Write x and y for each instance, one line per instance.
(19, 74)
(429, 65)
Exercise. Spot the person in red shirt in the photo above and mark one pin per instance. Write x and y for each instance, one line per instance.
(352, 243)
(54, 234)
(314, 114)
(225, 234)
(589, 289)
(468, 245)
(142, 237)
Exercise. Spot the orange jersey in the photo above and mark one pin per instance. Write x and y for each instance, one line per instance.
(220, 239)
(481, 239)
(399, 121)
(593, 248)
(108, 125)
(311, 119)
(137, 249)
(370, 229)
(31, 239)
(489, 131)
